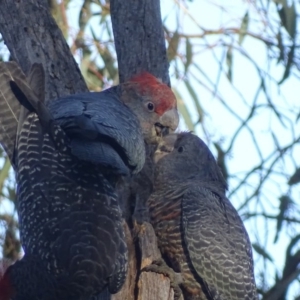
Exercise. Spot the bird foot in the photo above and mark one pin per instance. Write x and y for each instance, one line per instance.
(160, 267)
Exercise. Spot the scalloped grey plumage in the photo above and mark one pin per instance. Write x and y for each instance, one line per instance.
(198, 229)
(68, 208)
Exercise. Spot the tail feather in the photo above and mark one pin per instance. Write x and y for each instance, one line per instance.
(9, 106)
(12, 114)
(31, 95)
(30, 101)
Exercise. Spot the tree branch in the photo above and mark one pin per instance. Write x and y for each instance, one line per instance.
(139, 38)
(32, 35)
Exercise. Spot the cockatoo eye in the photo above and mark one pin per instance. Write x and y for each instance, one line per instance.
(180, 149)
(150, 106)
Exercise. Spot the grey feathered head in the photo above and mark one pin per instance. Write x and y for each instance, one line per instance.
(186, 156)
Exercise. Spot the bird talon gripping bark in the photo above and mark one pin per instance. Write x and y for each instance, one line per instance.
(159, 266)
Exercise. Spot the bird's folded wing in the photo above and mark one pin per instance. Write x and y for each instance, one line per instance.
(101, 118)
(217, 245)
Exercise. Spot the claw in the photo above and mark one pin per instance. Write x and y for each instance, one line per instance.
(160, 267)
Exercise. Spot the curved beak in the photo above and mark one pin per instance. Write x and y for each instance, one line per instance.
(165, 147)
(168, 122)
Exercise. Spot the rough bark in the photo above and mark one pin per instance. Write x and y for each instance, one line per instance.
(140, 46)
(32, 35)
(139, 38)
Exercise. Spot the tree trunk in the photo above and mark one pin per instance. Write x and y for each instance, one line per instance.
(139, 38)
(32, 35)
(140, 46)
